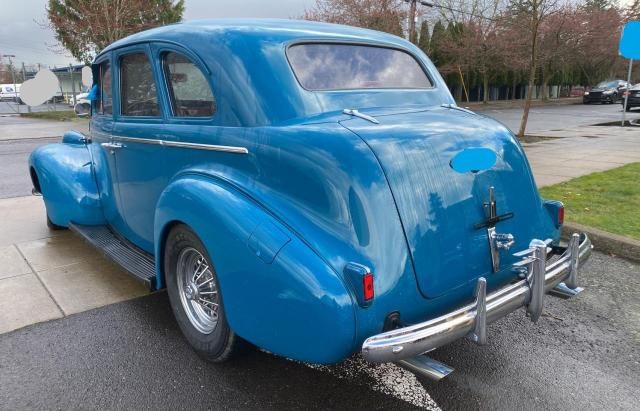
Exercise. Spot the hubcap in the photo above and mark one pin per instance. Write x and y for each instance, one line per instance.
(197, 290)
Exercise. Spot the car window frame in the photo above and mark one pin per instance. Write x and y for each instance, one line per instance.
(141, 48)
(158, 49)
(162, 52)
(364, 43)
(95, 68)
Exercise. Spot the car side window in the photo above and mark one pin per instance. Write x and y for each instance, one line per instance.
(189, 90)
(105, 104)
(138, 94)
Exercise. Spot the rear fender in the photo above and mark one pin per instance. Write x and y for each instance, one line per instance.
(63, 173)
(277, 293)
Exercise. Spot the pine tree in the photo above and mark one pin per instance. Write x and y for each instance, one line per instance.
(423, 41)
(436, 45)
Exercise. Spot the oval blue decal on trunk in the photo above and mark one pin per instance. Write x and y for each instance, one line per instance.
(473, 159)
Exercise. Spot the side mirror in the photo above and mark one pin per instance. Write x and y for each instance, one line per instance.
(93, 93)
(74, 137)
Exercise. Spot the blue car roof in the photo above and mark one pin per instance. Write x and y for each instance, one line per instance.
(251, 77)
(269, 30)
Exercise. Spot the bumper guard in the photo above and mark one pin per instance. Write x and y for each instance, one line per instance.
(539, 278)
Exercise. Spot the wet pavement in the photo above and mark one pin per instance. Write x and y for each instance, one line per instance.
(582, 355)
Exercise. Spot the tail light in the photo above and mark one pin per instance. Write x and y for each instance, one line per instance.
(367, 287)
(362, 282)
(561, 215)
(555, 209)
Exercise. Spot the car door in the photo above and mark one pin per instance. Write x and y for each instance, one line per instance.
(102, 148)
(138, 130)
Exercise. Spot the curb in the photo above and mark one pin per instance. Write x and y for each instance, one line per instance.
(606, 242)
(511, 104)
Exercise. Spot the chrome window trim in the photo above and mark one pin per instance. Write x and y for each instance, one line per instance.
(180, 144)
(364, 43)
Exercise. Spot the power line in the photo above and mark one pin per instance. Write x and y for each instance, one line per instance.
(439, 6)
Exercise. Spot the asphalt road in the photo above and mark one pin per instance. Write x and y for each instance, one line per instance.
(14, 174)
(558, 117)
(584, 353)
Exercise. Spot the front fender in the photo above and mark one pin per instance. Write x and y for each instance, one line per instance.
(65, 178)
(277, 293)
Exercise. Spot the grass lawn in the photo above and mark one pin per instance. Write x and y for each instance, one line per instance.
(67, 115)
(609, 200)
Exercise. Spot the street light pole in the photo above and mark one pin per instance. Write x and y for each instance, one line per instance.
(24, 78)
(13, 76)
(412, 21)
(412, 17)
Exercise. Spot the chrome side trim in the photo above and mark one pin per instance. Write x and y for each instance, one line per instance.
(180, 144)
(410, 341)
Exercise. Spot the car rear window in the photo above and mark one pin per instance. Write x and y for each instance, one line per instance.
(321, 66)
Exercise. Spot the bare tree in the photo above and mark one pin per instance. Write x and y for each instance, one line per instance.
(527, 18)
(382, 15)
(475, 46)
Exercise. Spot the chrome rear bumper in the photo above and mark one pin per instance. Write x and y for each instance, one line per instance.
(471, 320)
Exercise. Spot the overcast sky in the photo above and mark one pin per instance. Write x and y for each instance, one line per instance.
(22, 34)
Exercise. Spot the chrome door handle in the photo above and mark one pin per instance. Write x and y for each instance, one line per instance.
(112, 146)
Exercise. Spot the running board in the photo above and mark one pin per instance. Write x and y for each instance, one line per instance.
(426, 367)
(136, 262)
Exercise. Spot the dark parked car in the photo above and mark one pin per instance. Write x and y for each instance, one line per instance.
(634, 97)
(606, 92)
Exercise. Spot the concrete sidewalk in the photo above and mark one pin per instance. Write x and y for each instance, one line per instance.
(578, 151)
(50, 274)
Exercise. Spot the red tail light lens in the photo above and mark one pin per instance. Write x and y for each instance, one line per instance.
(560, 215)
(367, 286)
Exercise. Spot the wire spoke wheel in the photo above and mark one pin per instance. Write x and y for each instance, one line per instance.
(197, 290)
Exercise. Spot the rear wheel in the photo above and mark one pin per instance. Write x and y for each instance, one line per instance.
(195, 296)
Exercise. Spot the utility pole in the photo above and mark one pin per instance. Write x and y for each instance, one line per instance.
(13, 76)
(24, 78)
(73, 85)
(413, 4)
(412, 21)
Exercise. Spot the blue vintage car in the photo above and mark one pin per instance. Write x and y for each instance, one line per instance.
(311, 189)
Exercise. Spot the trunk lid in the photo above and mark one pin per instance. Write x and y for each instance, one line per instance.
(439, 206)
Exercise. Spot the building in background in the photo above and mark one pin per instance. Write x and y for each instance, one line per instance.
(70, 79)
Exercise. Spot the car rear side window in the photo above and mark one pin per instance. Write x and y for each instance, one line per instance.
(138, 94)
(189, 90)
(106, 101)
(320, 66)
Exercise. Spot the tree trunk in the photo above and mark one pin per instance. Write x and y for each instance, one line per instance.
(532, 71)
(485, 86)
(513, 88)
(527, 101)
